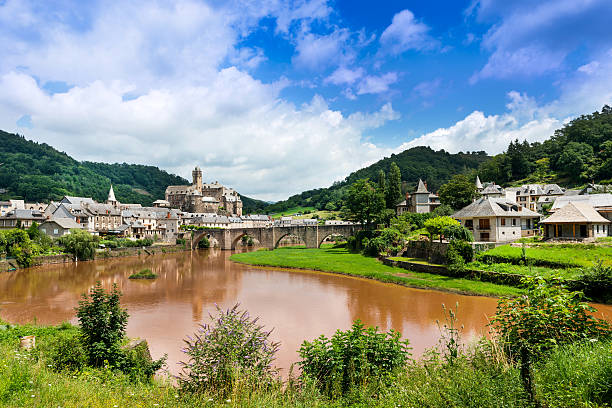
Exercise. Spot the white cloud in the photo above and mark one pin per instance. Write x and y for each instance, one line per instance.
(344, 75)
(532, 39)
(406, 33)
(317, 52)
(372, 84)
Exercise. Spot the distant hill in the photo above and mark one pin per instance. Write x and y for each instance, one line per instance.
(38, 172)
(435, 167)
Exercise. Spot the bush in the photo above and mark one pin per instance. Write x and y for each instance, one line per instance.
(458, 232)
(387, 241)
(180, 241)
(454, 260)
(17, 243)
(103, 323)
(143, 274)
(352, 359)
(463, 248)
(233, 349)
(204, 243)
(597, 282)
(67, 353)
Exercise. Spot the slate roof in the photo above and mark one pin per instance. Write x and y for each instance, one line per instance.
(576, 212)
(478, 183)
(25, 215)
(77, 200)
(596, 200)
(492, 189)
(111, 194)
(421, 187)
(494, 207)
(65, 223)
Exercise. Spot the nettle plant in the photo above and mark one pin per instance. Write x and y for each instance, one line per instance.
(233, 350)
(353, 360)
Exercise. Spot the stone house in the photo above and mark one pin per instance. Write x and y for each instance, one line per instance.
(576, 221)
(421, 201)
(59, 227)
(21, 218)
(497, 220)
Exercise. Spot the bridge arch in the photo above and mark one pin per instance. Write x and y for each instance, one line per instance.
(329, 234)
(287, 234)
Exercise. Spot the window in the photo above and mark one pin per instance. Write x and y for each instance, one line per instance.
(514, 222)
(483, 224)
(503, 222)
(55, 231)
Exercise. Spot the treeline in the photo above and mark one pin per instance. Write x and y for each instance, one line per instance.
(579, 152)
(436, 167)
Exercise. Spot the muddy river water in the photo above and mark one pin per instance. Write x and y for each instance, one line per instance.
(299, 305)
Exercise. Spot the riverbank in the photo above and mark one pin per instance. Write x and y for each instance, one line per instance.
(9, 264)
(341, 261)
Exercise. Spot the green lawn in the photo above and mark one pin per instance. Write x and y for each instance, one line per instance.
(567, 273)
(339, 260)
(565, 255)
(292, 211)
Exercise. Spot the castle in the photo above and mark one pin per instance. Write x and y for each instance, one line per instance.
(204, 198)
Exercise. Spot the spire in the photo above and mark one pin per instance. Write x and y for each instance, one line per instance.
(478, 183)
(111, 195)
(421, 187)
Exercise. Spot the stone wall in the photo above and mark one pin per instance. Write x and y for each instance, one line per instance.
(435, 252)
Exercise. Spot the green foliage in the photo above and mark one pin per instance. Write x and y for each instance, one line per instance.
(352, 359)
(230, 350)
(393, 192)
(578, 375)
(180, 241)
(143, 274)
(457, 232)
(459, 192)
(443, 211)
(363, 203)
(81, 244)
(597, 281)
(103, 323)
(33, 231)
(436, 226)
(16, 243)
(204, 243)
(545, 317)
(388, 241)
(67, 352)
(463, 249)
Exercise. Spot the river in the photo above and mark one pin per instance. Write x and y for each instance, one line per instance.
(299, 305)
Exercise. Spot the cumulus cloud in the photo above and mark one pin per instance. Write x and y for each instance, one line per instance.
(373, 84)
(317, 52)
(344, 75)
(406, 33)
(533, 39)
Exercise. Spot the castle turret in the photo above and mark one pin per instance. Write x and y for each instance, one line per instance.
(111, 197)
(197, 178)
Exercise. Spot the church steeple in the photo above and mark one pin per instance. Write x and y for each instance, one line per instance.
(111, 196)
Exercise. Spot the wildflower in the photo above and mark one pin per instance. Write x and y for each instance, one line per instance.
(228, 400)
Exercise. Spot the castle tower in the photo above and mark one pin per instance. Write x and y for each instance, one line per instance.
(197, 178)
(111, 197)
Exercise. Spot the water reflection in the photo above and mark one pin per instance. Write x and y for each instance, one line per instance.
(298, 304)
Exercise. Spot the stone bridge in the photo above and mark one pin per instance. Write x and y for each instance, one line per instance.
(269, 237)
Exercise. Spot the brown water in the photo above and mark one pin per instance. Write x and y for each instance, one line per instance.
(299, 305)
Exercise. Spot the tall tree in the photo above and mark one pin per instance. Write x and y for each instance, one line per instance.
(394, 189)
(363, 202)
(458, 192)
(382, 181)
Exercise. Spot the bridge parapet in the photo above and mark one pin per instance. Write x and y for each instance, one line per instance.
(269, 237)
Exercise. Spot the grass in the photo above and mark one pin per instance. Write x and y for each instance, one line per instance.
(292, 211)
(144, 274)
(578, 375)
(559, 255)
(568, 273)
(341, 261)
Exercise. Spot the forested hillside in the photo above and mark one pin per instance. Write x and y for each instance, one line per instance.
(37, 172)
(436, 167)
(578, 153)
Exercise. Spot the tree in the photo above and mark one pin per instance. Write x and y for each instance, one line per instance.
(394, 189)
(436, 226)
(33, 231)
(81, 244)
(363, 203)
(458, 192)
(574, 159)
(103, 324)
(382, 182)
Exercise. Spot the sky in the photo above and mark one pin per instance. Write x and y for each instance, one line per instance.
(274, 97)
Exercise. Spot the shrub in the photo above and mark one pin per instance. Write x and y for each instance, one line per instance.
(436, 226)
(352, 359)
(17, 243)
(389, 240)
(143, 274)
(180, 241)
(597, 282)
(67, 353)
(103, 323)
(457, 232)
(233, 349)
(454, 260)
(463, 248)
(204, 243)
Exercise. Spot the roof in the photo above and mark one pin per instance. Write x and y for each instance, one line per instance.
(492, 189)
(478, 183)
(596, 200)
(111, 194)
(402, 204)
(65, 223)
(25, 215)
(421, 187)
(576, 212)
(77, 200)
(494, 207)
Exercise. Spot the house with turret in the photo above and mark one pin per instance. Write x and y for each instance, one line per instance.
(420, 201)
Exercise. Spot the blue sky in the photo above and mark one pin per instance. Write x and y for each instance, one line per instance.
(274, 97)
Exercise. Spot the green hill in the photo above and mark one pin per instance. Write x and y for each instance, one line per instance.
(38, 172)
(436, 167)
